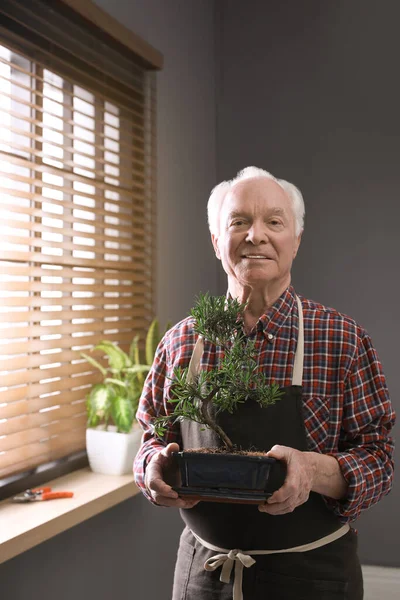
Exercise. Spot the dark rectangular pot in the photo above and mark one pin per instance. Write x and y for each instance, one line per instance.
(227, 477)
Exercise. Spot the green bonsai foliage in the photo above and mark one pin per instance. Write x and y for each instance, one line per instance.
(235, 379)
(115, 400)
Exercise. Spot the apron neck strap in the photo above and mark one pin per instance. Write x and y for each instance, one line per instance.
(299, 357)
(194, 365)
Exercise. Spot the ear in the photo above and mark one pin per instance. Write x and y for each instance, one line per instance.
(214, 240)
(297, 245)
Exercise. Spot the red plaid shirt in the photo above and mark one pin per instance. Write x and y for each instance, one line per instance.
(346, 406)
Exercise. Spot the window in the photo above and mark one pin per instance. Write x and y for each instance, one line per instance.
(76, 219)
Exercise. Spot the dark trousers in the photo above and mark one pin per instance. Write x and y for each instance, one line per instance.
(332, 572)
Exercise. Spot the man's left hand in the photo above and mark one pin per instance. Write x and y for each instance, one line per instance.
(298, 483)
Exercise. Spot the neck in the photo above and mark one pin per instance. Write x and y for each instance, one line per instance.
(258, 300)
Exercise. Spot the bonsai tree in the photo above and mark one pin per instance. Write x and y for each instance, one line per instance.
(234, 380)
(115, 400)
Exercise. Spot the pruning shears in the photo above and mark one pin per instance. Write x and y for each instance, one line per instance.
(38, 494)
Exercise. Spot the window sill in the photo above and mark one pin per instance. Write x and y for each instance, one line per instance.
(23, 526)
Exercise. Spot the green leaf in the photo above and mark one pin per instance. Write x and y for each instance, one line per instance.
(94, 363)
(138, 369)
(98, 403)
(134, 355)
(114, 381)
(134, 350)
(152, 341)
(134, 397)
(118, 359)
(123, 414)
(218, 318)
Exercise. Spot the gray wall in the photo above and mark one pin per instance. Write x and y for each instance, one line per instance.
(129, 551)
(310, 91)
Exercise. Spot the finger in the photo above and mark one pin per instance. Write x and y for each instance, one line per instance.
(157, 485)
(279, 452)
(169, 449)
(294, 498)
(174, 503)
(287, 505)
(190, 503)
(277, 509)
(154, 478)
(281, 495)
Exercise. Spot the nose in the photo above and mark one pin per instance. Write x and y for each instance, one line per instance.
(256, 234)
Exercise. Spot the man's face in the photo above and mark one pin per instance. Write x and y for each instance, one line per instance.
(257, 242)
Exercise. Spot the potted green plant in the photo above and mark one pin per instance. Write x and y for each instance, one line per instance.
(225, 472)
(113, 435)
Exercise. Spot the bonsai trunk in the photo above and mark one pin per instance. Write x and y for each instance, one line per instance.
(205, 403)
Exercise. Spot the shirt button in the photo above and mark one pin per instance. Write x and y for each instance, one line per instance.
(270, 336)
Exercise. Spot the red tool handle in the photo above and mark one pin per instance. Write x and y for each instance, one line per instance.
(54, 495)
(41, 490)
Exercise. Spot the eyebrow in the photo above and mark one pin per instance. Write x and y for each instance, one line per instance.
(276, 210)
(236, 213)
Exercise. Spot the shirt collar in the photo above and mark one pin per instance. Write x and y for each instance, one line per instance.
(271, 321)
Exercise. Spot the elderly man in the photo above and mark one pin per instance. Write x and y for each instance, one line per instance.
(332, 427)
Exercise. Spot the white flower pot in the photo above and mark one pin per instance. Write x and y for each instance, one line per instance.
(112, 453)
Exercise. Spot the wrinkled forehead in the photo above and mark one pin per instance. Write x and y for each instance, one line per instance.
(256, 194)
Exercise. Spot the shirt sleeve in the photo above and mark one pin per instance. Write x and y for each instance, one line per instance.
(153, 403)
(365, 448)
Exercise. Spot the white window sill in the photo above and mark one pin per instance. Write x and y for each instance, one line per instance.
(23, 526)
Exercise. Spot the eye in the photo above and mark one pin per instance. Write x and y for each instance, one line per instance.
(275, 222)
(237, 223)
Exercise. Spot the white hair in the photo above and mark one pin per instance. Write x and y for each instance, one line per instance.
(220, 191)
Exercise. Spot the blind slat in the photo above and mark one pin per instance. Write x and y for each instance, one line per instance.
(98, 101)
(32, 406)
(69, 175)
(39, 375)
(28, 436)
(30, 361)
(118, 209)
(34, 317)
(39, 227)
(37, 242)
(126, 164)
(118, 228)
(35, 461)
(56, 103)
(39, 330)
(65, 342)
(74, 137)
(97, 275)
(36, 257)
(39, 452)
(124, 157)
(123, 301)
(26, 120)
(23, 422)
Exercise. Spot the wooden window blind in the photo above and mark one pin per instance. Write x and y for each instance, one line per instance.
(77, 218)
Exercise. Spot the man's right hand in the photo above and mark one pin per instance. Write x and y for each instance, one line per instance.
(159, 490)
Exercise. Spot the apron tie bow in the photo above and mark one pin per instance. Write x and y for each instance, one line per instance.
(226, 561)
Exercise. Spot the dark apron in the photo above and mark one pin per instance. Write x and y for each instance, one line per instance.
(244, 526)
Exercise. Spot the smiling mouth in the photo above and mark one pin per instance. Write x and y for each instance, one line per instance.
(256, 256)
